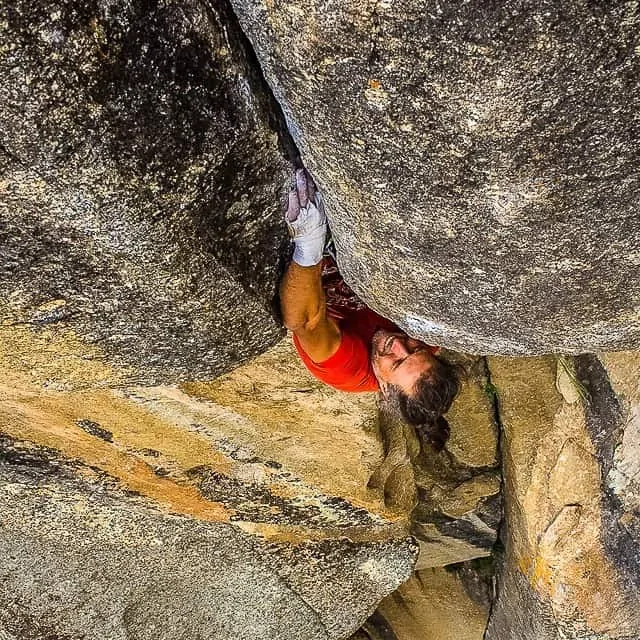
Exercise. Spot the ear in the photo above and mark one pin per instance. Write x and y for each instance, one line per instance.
(384, 387)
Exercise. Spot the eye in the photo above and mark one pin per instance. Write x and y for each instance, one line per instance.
(397, 363)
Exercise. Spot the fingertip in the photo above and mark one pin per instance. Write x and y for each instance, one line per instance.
(301, 185)
(293, 206)
(311, 188)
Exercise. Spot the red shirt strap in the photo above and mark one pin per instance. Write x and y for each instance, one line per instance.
(348, 369)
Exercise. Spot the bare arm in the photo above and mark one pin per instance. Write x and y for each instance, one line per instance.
(302, 298)
(305, 313)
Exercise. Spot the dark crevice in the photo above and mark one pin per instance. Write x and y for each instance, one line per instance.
(275, 117)
(604, 421)
(259, 83)
(477, 578)
(377, 628)
(498, 549)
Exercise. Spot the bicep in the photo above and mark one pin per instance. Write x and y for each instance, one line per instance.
(319, 338)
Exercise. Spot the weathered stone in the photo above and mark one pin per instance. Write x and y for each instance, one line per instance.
(286, 415)
(395, 476)
(571, 563)
(432, 605)
(147, 512)
(457, 504)
(139, 181)
(623, 477)
(478, 160)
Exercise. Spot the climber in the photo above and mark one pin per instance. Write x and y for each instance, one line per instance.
(347, 345)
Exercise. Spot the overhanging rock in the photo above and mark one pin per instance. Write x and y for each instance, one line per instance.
(479, 161)
(140, 177)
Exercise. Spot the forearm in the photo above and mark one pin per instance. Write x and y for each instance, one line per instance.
(302, 297)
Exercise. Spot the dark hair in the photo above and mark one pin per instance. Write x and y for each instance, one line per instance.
(432, 396)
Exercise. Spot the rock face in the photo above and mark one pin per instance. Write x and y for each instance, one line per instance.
(478, 160)
(434, 604)
(147, 512)
(140, 180)
(458, 507)
(454, 496)
(571, 497)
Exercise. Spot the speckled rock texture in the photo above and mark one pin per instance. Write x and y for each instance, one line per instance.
(140, 175)
(570, 453)
(83, 560)
(479, 160)
(232, 509)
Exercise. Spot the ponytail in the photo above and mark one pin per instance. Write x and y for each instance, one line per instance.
(433, 394)
(435, 433)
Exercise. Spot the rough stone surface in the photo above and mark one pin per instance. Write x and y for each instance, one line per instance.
(146, 512)
(571, 562)
(139, 184)
(479, 160)
(433, 604)
(458, 509)
(81, 560)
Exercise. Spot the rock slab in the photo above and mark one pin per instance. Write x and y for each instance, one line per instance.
(479, 161)
(140, 173)
(69, 536)
(240, 510)
(571, 540)
(434, 604)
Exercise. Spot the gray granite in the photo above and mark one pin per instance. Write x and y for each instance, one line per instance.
(141, 171)
(479, 161)
(84, 559)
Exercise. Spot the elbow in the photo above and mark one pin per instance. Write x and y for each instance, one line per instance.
(294, 322)
(303, 321)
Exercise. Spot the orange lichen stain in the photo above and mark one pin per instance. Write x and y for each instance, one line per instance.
(538, 572)
(51, 381)
(542, 576)
(51, 427)
(51, 420)
(524, 564)
(283, 490)
(134, 427)
(374, 84)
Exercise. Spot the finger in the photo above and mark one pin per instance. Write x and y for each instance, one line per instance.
(311, 188)
(293, 206)
(301, 186)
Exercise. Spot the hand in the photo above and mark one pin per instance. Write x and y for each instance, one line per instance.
(306, 220)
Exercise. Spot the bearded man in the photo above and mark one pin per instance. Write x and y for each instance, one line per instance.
(347, 345)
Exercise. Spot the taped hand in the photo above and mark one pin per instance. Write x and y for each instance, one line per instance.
(306, 220)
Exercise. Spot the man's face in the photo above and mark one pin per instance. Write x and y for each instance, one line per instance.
(399, 360)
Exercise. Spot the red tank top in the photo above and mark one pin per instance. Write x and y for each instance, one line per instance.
(349, 368)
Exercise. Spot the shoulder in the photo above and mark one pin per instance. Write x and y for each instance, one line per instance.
(348, 368)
